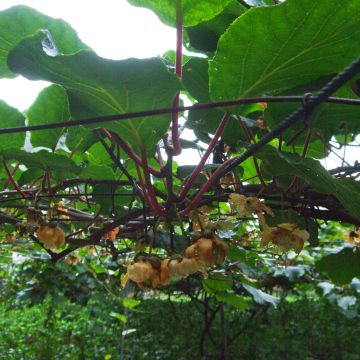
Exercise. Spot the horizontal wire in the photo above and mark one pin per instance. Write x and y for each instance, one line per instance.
(163, 111)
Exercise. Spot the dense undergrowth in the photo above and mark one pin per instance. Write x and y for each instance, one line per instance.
(164, 330)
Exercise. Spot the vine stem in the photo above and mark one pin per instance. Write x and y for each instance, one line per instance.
(13, 181)
(133, 156)
(143, 189)
(305, 149)
(178, 71)
(149, 185)
(249, 136)
(204, 158)
(7, 182)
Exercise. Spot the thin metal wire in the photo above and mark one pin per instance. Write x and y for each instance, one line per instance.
(138, 114)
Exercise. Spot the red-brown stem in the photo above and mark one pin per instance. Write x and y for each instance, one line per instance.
(204, 158)
(178, 71)
(149, 186)
(244, 130)
(132, 155)
(179, 39)
(143, 188)
(161, 163)
(47, 176)
(249, 136)
(307, 142)
(305, 149)
(159, 156)
(13, 181)
(32, 183)
(206, 187)
(7, 182)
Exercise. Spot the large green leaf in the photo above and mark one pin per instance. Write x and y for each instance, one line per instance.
(42, 159)
(80, 138)
(11, 117)
(98, 86)
(341, 267)
(240, 302)
(271, 49)
(196, 82)
(218, 283)
(51, 105)
(347, 191)
(193, 12)
(205, 36)
(20, 21)
(98, 172)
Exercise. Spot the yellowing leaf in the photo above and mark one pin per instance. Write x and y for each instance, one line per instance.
(285, 236)
(247, 206)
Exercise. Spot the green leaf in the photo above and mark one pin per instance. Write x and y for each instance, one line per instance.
(29, 175)
(204, 36)
(11, 117)
(80, 138)
(341, 267)
(196, 81)
(218, 283)
(42, 159)
(347, 191)
(98, 172)
(260, 297)
(271, 49)
(51, 105)
(235, 300)
(103, 193)
(98, 86)
(122, 318)
(131, 303)
(193, 12)
(237, 253)
(185, 171)
(19, 22)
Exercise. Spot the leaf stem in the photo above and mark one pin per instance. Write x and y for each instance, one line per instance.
(13, 181)
(249, 136)
(204, 158)
(133, 156)
(150, 187)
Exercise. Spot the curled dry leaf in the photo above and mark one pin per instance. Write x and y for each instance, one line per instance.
(353, 237)
(51, 236)
(227, 180)
(61, 209)
(200, 218)
(263, 105)
(111, 235)
(208, 251)
(198, 257)
(261, 123)
(285, 236)
(247, 206)
(144, 274)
